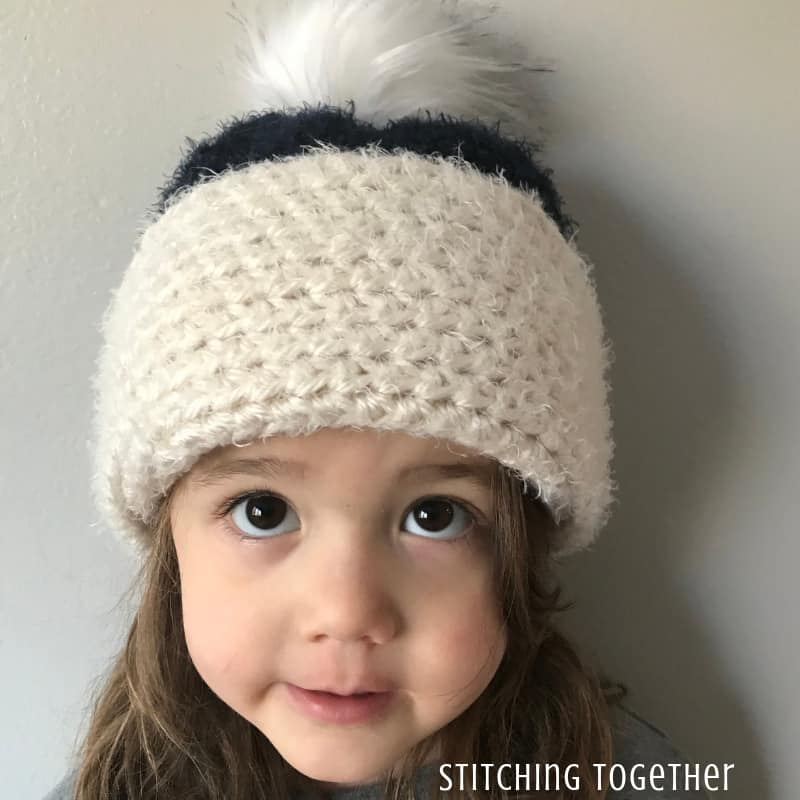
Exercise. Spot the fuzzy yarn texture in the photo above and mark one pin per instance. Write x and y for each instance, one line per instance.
(362, 288)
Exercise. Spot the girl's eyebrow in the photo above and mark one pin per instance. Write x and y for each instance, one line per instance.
(273, 467)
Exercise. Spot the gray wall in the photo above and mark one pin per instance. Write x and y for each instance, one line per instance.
(672, 128)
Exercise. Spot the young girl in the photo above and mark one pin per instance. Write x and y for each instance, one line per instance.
(351, 408)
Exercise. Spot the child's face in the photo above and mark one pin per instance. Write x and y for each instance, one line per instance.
(347, 581)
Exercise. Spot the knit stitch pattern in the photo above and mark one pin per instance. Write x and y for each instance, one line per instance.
(365, 289)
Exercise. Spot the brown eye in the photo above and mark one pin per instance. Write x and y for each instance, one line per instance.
(259, 515)
(440, 518)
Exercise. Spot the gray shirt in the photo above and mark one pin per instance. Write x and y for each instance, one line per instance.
(636, 741)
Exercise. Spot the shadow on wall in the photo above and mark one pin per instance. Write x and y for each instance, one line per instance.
(676, 404)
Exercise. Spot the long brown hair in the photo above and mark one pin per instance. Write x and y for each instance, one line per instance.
(158, 731)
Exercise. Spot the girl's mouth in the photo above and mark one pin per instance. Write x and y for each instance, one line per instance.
(340, 709)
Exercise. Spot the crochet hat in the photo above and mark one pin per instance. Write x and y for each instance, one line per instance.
(373, 261)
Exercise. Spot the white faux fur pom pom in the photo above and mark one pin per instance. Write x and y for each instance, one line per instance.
(392, 58)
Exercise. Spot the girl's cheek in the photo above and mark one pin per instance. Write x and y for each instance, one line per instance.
(222, 645)
(207, 635)
(462, 597)
(475, 627)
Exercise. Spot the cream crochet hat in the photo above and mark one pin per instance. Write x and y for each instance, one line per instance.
(306, 269)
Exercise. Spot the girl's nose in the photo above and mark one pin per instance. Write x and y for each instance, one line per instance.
(347, 589)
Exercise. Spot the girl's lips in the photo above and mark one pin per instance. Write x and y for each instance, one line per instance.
(348, 709)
